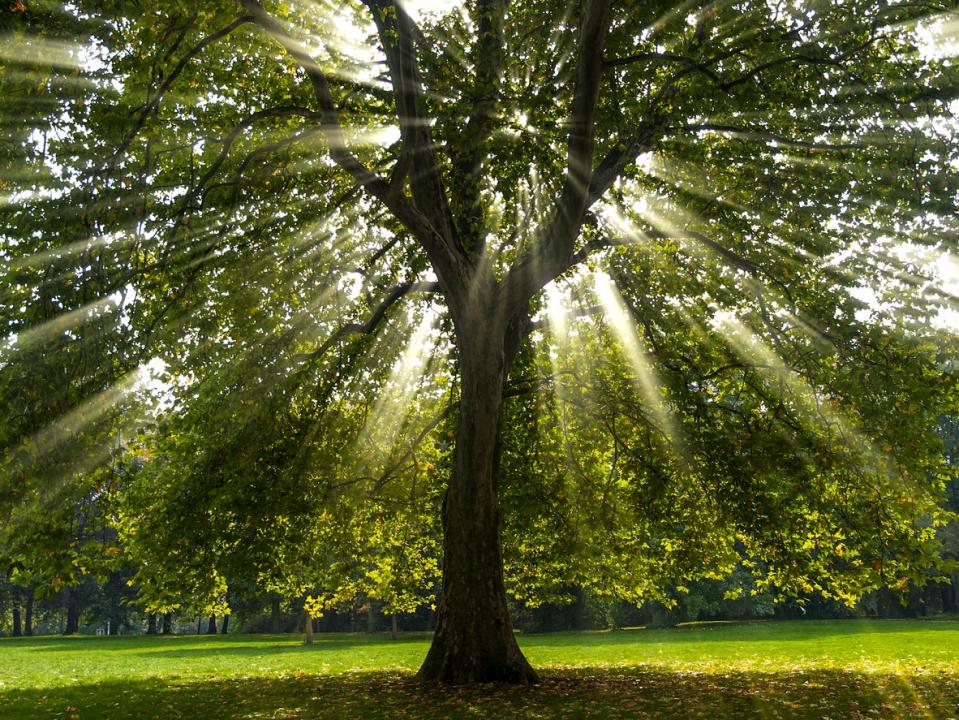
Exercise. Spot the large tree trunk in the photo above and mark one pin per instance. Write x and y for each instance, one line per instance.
(17, 627)
(167, 628)
(28, 615)
(226, 624)
(211, 627)
(152, 624)
(474, 639)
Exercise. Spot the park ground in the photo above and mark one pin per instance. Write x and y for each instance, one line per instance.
(805, 669)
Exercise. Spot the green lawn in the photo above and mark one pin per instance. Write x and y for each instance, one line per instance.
(807, 669)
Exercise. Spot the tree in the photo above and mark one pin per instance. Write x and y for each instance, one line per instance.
(719, 179)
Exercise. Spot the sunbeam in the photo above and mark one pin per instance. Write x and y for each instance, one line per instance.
(30, 338)
(816, 410)
(72, 424)
(644, 375)
(400, 393)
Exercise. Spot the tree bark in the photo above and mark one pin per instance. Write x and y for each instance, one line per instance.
(73, 614)
(949, 596)
(393, 626)
(226, 625)
(275, 614)
(17, 626)
(152, 624)
(167, 624)
(211, 627)
(28, 615)
(308, 638)
(474, 639)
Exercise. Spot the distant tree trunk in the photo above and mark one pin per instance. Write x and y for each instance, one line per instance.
(371, 618)
(275, 614)
(113, 627)
(393, 626)
(211, 627)
(199, 625)
(167, 624)
(226, 624)
(28, 617)
(308, 640)
(152, 624)
(948, 591)
(73, 613)
(17, 627)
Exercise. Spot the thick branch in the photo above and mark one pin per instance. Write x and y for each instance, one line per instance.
(453, 277)
(396, 30)
(613, 164)
(553, 252)
(471, 151)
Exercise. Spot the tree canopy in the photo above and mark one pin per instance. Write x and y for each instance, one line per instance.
(525, 295)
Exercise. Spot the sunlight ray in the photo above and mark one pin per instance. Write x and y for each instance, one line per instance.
(75, 421)
(558, 349)
(690, 179)
(382, 136)
(115, 239)
(393, 407)
(815, 407)
(65, 322)
(34, 50)
(644, 376)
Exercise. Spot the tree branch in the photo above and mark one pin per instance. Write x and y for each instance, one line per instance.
(665, 58)
(367, 328)
(613, 164)
(473, 146)
(396, 29)
(154, 102)
(452, 274)
(553, 252)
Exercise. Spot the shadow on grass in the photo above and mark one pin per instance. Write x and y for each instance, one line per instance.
(564, 693)
(211, 645)
(694, 633)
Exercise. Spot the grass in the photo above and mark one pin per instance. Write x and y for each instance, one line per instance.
(807, 669)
